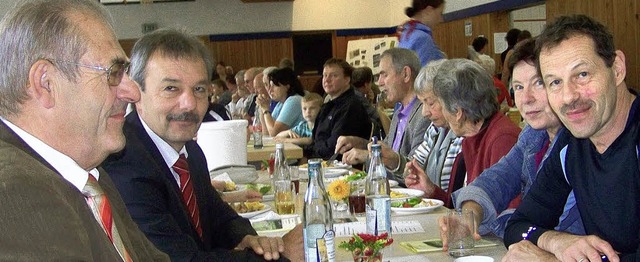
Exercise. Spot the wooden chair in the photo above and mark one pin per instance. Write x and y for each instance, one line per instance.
(384, 119)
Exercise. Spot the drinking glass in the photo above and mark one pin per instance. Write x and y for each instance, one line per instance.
(357, 197)
(460, 227)
(285, 204)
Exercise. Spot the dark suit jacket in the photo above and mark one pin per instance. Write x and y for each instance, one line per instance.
(46, 218)
(153, 198)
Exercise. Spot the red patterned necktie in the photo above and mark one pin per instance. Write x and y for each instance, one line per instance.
(101, 209)
(186, 187)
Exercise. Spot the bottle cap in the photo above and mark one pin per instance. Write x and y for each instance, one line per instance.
(279, 145)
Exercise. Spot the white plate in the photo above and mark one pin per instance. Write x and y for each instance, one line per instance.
(474, 259)
(409, 192)
(393, 183)
(329, 173)
(418, 210)
(255, 213)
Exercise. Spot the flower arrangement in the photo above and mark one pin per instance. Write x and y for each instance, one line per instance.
(339, 190)
(365, 247)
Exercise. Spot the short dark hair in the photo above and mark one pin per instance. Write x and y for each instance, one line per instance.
(512, 36)
(219, 82)
(286, 76)
(523, 51)
(347, 69)
(524, 34)
(361, 76)
(565, 27)
(419, 5)
(479, 43)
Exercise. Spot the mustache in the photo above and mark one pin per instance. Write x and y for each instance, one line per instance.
(186, 116)
(578, 104)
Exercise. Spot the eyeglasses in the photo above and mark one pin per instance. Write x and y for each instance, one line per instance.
(114, 73)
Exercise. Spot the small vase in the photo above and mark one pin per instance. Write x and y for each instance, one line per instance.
(340, 205)
(373, 258)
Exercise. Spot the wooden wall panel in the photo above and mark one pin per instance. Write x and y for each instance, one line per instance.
(622, 17)
(244, 54)
(450, 36)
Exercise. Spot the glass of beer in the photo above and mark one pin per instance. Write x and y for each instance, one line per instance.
(285, 204)
(357, 198)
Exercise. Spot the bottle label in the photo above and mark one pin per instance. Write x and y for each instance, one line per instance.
(379, 216)
(329, 245)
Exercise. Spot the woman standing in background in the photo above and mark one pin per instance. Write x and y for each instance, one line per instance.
(416, 34)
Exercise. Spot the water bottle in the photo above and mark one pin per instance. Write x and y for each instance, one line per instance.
(378, 214)
(317, 219)
(257, 130)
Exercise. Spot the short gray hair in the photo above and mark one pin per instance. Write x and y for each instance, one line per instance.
(171, 43)
(401, 57)
(465, 85)
(240, 75)
(268, 70)
(37, 30)
(424, 80)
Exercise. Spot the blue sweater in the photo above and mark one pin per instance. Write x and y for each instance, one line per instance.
(417, 37)
(512, 175)
(606, 186)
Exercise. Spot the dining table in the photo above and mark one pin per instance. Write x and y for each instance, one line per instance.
(291, 151)
(411, 227)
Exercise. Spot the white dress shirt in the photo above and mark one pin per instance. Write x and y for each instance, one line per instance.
(169, 154)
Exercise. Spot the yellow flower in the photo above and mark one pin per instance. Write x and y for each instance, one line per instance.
(339, 190)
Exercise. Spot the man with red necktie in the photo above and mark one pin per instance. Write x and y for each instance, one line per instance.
(162, 173)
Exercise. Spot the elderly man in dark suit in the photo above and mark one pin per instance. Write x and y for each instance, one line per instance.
(63, 94)
(162, 173)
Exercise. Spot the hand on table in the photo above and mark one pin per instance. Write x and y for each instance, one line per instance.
(568, 247)
(293, 249)
(444, 231)
(355, 156)
(527, 251)
(268, 247)
(346, 143)
(242, 196)
(218, 185)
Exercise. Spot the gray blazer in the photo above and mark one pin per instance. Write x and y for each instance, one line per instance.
(46, 218)
(413, 133)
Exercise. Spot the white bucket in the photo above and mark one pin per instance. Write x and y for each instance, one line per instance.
(224, 142)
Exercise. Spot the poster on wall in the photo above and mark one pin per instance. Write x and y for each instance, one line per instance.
(367, 52)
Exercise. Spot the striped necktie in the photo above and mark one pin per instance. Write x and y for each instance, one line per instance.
(188, 196)
(101, 208)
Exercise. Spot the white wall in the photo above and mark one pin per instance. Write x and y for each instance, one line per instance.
(204, 17)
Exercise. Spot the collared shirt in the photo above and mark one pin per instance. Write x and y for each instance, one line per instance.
(65, 165)
(169, 154)
(403, 119)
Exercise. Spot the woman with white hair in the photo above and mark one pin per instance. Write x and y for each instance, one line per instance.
(465, 91)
